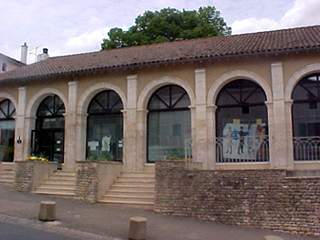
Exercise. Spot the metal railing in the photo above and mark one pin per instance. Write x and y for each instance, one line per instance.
(249, 149)
(306, 148)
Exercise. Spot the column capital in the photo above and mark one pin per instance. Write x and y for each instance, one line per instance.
(133, 77)
(73, 83)
(200, 71)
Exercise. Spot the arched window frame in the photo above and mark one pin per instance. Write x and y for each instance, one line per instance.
(112, 108)
(5, 106)
(171, 106)
(306, 147)
(243, 103)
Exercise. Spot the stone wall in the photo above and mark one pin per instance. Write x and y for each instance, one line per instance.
(258, 198)
(94, 178)
(30, 174)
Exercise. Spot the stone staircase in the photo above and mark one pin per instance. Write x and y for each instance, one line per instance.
(133, 189)
(7, 175)
(61, 183)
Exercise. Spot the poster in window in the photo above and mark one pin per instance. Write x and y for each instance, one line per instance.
(243, 141)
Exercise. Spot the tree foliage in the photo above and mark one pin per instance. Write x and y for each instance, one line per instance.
(166, 25)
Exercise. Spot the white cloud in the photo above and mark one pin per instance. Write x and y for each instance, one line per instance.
(302, 13)
(88, 40)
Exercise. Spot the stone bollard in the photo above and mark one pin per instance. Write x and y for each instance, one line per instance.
(272, 238)
(47, 211)
(137, 228)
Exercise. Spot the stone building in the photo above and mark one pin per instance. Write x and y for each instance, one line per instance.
(247, 101)
(8, 63)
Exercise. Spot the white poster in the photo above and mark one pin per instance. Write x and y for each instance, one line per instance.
(243, 141)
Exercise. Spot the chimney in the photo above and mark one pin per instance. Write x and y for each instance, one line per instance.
(24, 53)
(43, 56)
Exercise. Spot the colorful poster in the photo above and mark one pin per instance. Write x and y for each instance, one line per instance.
(244, 141)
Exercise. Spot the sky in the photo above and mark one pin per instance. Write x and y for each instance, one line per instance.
(76, 26)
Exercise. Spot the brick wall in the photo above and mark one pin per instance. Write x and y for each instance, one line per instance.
(87, 182)
(259, 198)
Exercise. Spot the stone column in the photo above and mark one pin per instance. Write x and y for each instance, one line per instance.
(141, 143)
(71, 127)
(130, 127)
(81, 136)
(279, 145)
(20, 140)
(29, 125)
(201, 137)
(211, 133)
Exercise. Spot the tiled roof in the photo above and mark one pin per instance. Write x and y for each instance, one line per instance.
(294, 40)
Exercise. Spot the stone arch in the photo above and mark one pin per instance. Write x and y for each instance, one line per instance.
(152, 86)
(234, 75)
(297, 76)
(87, 96)
(4, 95)
(37, 99)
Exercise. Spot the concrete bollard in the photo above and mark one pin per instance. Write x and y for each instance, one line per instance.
(47, 211)
(270, 237)
(137, 228)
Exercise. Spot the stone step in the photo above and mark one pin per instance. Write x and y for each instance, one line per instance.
(70, 174)
(117, 192)
(128, 202)
(133, 185)
(6, 180)
(61, 193)
(127, 198)
(62, 178)
(135, 180)
(7, 176)
(59, 183)
(138, 175)
(54, 188)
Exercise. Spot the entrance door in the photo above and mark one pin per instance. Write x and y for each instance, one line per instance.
(49, 143)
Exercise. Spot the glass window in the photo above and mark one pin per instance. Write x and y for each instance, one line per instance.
(7, 128)
(48, 138)
(169, 124)
(105, 127)
(241, 123)
(306, 118)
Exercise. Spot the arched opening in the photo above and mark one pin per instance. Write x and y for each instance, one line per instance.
(7, 128)
(306, 118)
(48, 137)
(241, 123)
(168, 124)
(105, 127)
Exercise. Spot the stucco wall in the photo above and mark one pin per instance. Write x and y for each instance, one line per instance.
(202, 85)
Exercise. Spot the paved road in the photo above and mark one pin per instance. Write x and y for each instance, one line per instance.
(14, 232)
(106, 220)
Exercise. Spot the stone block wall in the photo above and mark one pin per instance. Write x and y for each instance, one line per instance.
(24, 175)
(30, 174)
(94, 178)
(259, 198)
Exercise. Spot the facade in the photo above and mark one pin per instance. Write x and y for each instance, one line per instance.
(241, 102)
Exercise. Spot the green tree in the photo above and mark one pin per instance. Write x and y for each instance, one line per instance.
(166, 25)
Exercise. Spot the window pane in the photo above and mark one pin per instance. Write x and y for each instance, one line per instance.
(7, 140)
(168, 134)
(105, 137)
(306, 120)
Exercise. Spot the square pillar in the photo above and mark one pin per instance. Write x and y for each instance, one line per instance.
(211, 133)
(131, 162)
(20, 139)
(201, 136)
(278, 121)
(71, 127)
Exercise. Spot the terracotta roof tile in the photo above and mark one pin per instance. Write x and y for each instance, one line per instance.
(304, 39)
